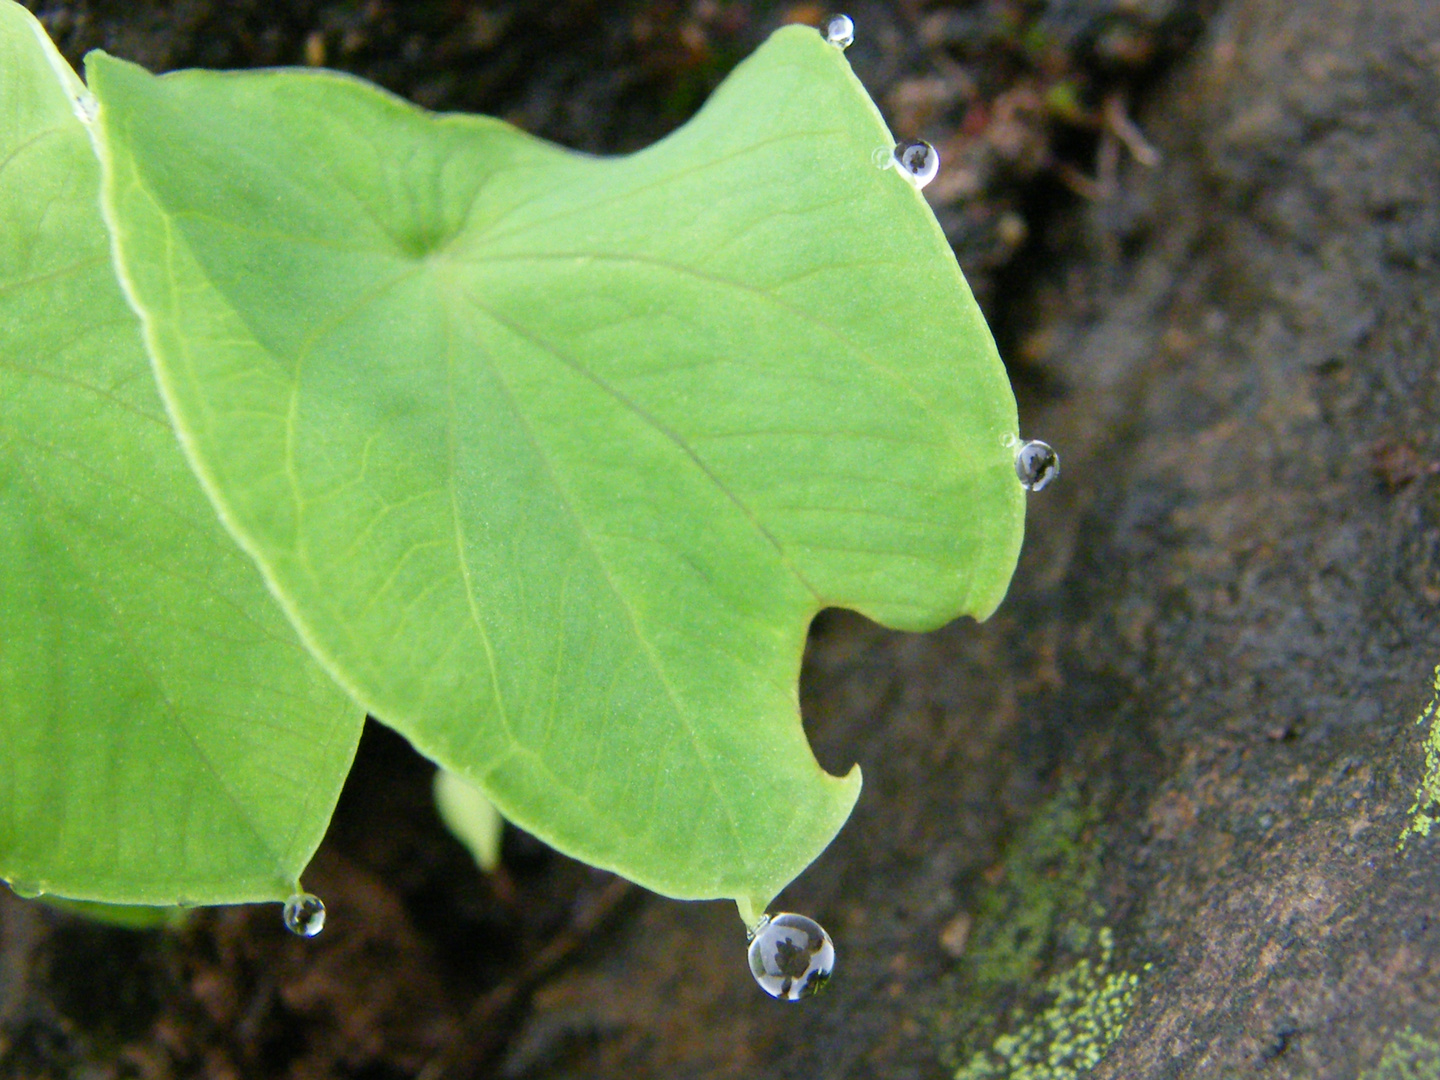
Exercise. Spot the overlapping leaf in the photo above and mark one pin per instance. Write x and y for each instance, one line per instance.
(164, 738)
(552, 458)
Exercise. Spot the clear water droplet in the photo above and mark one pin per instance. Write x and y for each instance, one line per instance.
(917, 161)
(840, 31)
(305, 914)
(1036, 464)
(791, 956)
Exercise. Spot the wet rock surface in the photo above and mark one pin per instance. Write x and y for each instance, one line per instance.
(1274, 549)
(1147, 818)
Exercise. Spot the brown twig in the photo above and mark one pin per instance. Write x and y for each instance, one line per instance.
(1118, 122)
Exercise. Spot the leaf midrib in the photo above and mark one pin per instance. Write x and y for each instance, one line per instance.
(567, 500)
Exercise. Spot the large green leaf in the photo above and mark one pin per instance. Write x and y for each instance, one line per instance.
(163, 736)
(553, 458)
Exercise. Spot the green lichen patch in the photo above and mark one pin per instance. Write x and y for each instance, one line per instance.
(1408, 1056)
(1043, 902)
(1424, 812)
(1089, 1004)
(1037, 994)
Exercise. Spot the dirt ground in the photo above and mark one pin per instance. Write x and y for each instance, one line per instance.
(1146, 821)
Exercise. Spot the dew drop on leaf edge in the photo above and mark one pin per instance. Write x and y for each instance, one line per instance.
(917, 161)
(305, 914)
(791, 956)
(1036, 464)
(839, 30)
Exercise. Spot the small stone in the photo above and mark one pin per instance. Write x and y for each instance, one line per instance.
(954, 935)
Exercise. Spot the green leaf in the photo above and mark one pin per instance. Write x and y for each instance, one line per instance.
(553, 458)
(470, 817)
(121, 916)
(165, 737)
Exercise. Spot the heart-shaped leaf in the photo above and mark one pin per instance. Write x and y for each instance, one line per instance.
(164, 738)
(553, 458)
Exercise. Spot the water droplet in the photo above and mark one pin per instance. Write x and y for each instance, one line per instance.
(791, 956)
(1036, 464)
(917, 161)
(304, 914)
(840, 31)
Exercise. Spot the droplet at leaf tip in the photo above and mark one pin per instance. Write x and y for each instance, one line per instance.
(304, 914)
(791, 956)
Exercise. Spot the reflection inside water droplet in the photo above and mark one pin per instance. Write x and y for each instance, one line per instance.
(791, 956)
(304, 914)
(1036, 464)
(839, 30)
(917, 161)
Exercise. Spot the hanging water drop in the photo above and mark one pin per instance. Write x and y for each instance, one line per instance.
(305, 914)
(917, 161)
(791, 956)
(1036, 464)
(840, 31)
